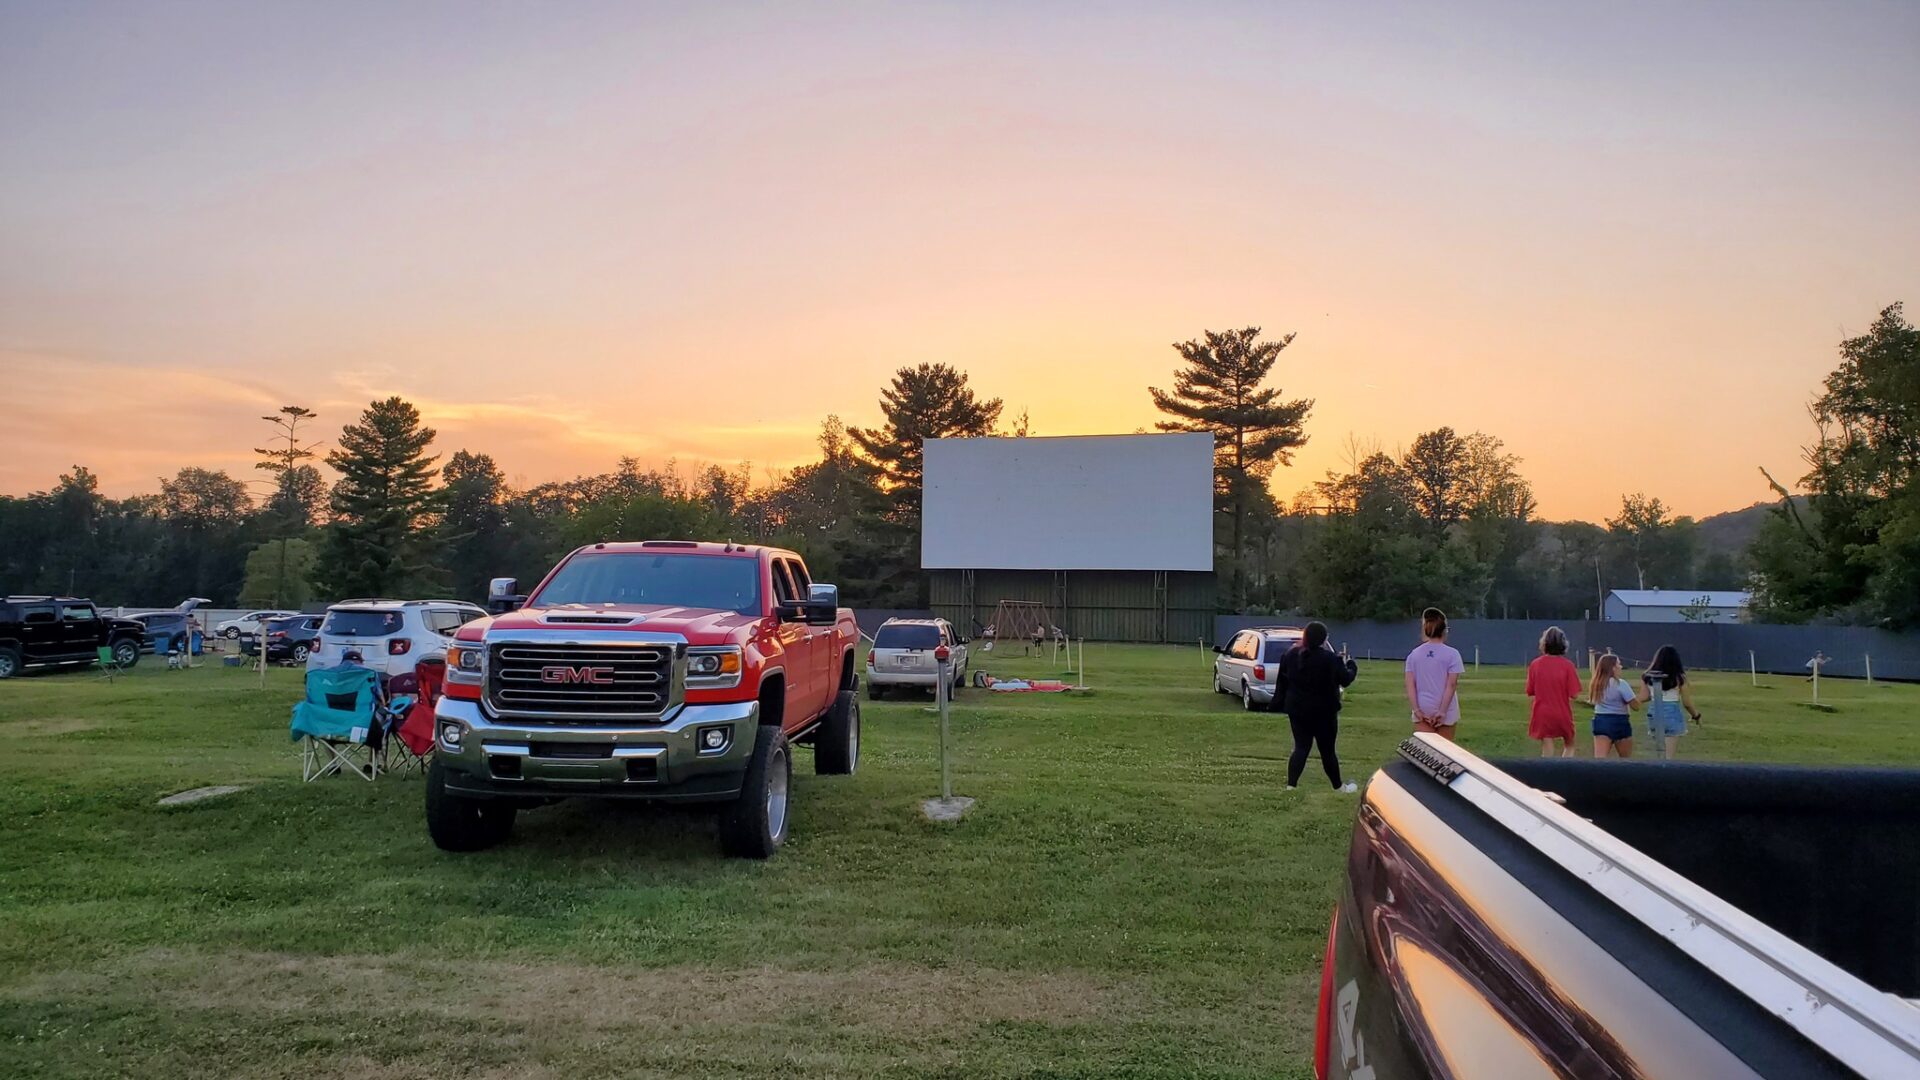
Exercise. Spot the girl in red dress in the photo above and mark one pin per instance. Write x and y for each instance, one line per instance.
(1554, 685)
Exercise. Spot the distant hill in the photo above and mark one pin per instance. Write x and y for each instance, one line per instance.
(1733, 531)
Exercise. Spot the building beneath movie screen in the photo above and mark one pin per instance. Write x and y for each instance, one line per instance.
(1113, 534)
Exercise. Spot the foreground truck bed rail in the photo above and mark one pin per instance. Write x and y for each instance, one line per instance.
(1555, 918)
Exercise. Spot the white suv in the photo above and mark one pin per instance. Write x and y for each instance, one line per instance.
(249, 623)
(902, 655)
(391, 636)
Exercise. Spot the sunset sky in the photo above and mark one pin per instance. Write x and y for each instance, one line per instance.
(1626, 239)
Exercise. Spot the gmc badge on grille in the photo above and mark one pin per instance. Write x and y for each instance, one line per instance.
(562, 674)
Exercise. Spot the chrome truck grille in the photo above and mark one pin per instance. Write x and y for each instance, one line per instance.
(576, 682)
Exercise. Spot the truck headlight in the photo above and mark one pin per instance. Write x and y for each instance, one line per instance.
(713, 667)
(464, 661)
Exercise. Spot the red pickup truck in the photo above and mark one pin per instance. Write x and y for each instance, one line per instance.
(664, 670)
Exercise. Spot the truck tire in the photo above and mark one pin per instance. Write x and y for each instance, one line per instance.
(457, 823)
(836, 748)
(755, 825)
(9, 661)
(126, 653)
(874, 690)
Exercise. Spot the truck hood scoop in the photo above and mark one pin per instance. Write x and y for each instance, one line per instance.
(567, 618)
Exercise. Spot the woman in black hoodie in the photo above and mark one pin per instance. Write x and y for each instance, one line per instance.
(1309, 683)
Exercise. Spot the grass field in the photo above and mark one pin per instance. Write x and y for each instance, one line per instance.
(1134, 895)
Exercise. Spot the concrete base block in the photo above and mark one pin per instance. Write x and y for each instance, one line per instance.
(201, 793)
(946, 809)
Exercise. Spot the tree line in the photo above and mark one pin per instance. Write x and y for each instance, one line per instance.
(1449, 519)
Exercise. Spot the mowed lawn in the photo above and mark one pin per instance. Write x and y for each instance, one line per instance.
(1135, 894)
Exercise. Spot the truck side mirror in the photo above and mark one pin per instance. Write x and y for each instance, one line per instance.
(503, 594)
(822, 606)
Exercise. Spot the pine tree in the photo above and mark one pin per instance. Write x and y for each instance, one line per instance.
(929, 401)
(384, 504)
(1219, 391)
(474, 529)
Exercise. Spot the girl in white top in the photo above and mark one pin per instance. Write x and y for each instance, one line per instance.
(1614, 700)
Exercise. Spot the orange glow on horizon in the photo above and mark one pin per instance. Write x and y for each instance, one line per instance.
(694, 238)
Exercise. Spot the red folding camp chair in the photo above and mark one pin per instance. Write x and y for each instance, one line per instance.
(416, 731)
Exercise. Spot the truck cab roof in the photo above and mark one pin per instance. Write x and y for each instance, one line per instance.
(690, 547)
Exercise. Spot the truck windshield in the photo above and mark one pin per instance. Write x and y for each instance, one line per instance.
(714, 582)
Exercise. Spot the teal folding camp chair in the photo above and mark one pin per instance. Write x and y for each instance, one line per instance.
(338, 723)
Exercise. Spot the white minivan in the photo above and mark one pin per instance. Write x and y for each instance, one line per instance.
(391, 636)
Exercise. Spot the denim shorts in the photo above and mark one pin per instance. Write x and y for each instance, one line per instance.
(1664, 718)
(1615, 726)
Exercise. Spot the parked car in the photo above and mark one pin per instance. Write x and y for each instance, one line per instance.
(1247, 663)
(292, 638)
(391, 636)
(233, 629)
(1559, 917)
(903, 655)
(666, 670)
(162, 632)
(37, 631)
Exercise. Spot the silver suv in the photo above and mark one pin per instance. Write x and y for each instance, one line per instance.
(1247, 663)
(903, 655)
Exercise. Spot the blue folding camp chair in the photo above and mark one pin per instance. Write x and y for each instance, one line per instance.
(339, 723)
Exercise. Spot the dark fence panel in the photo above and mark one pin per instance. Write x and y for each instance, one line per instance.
(1710, 646)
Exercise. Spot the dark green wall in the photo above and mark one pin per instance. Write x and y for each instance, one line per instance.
(1101, 605)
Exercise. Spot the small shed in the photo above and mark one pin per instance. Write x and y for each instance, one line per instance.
(1677, 605)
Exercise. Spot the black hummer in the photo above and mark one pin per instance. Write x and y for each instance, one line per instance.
(53, 630)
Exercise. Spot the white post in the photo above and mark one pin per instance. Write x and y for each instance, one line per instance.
(941, 700)
(1083, 663)
(1590, 660)
(1753, 667)
(1476, 659)
(1869, 669)
(1816, 678)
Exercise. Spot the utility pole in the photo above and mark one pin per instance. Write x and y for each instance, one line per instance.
(282, 462)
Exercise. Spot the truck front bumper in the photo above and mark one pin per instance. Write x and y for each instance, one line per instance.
(489, 757)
